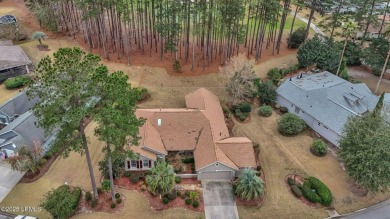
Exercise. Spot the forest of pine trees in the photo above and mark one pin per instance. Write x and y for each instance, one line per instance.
(199, 32)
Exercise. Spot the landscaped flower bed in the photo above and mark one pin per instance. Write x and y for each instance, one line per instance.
(156, 202)
(104, 203)
(310, 191)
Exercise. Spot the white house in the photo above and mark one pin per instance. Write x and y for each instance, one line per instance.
(325, 101)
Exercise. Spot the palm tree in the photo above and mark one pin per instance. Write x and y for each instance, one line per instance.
(248, 185)
(39, 36)
(349, 30)
(161, 178)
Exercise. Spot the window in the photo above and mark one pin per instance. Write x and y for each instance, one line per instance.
(146, 163)
(133, 163)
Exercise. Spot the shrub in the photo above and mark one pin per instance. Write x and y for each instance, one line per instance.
(188, 201)
(68, 198)
(241, 115)
(127, 174)
(245, 107)
(274, 75)
(290, 181)
(321, 190)
(165, 200)
(309, 194)
(195, 204)
(117, 195)
(106, 185)
(283, 109)
(177, 179)
(284, 71)
(16, 82)
(94, 202)
(291, 124)
(193, 168)
(188, 160)
(265, 111)
(183, 196)
(319, 148)
(297, 192)
(143, 187)
(142, 93)
(177, 66)
(118, 201)
(277, 106)
(172, 195)
(99, 190)
(187, 193)
(42, 162)
(88, 196)
(178, 193)
(134, 178)
(296, 38)
(113, 205)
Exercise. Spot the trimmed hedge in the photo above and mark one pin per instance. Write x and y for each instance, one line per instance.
(117, 195)
(188, 201)
(16, 82)
(265, 111)
(309, 194)
(245, 107)
(297, 192)
(165, 200)
(321, 193)
(113, 205)
(290, 181)
(118, 201)
(94, 202)
(172, 195)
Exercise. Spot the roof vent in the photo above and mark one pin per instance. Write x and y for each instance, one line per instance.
(158, 122)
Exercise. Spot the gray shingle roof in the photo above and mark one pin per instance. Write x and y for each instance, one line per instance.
(12, 56)
(18, 104)
(328, 98)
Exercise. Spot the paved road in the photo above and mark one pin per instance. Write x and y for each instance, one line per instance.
(312, 26)
(8, 179)
(219, 200)
(378, 211)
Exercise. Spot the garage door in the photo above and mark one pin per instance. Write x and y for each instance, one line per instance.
(216, 175)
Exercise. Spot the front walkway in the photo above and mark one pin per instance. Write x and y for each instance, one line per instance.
(219, 200)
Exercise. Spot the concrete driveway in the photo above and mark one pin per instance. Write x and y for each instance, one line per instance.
(219, 200)
(8, 179)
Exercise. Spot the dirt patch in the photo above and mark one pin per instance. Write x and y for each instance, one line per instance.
(43, 48)
(356, 189)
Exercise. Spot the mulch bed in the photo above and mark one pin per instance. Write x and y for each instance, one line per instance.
(32, 177)
(155, 201)
(104, 204)
(43, 48)
(256, 202)
(302, 199)
(356, 189)
(187, 169)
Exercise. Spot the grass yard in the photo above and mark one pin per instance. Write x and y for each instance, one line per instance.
(280, 156)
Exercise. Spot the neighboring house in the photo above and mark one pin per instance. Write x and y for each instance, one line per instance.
(325, 101)
(200, 128)
(374, 28)
(13, 61)
(19, 126)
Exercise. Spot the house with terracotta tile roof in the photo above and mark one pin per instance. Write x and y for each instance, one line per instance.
(199, 129)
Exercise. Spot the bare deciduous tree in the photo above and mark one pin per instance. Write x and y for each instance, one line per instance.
(241, 75)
